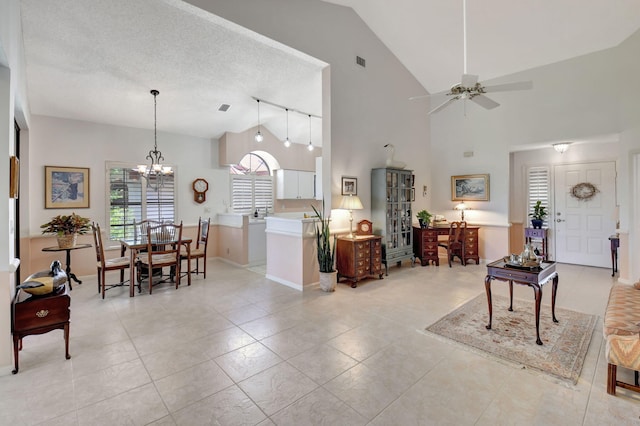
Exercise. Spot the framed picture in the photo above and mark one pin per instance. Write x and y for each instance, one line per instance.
(14, 176)
(349, 186)
(470, 188)
(66, 187)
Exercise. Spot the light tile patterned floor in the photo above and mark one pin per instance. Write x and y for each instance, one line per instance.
(239, 349)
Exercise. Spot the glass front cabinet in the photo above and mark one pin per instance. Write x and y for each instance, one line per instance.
(391, 195)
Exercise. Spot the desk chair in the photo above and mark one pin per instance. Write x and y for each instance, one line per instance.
(200, 250)
(455, 242)
(163, 250)
(104, 265)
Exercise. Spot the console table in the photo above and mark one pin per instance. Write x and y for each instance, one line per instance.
(425, 244)
(38, 315)
(359, 257)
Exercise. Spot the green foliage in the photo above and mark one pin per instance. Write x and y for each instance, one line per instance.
(539, 211)
(64, 225)
(326, 251)
(424, 215)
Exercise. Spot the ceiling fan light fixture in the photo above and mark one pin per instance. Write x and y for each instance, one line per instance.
(561, 147)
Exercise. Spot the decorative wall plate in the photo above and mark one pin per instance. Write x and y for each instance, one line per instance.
(584, 191)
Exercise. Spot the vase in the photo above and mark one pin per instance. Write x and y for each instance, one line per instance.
(328, 281)
(67, 240)
(536, 223)
(423, 224)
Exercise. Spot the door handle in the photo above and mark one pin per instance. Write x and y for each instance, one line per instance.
(560, 220)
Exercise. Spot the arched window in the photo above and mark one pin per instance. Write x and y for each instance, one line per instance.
(252, 184)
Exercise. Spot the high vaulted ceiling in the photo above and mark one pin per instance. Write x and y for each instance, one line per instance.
(503, 36)
(96, 60)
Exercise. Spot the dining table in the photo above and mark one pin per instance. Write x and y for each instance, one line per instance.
(138, 243)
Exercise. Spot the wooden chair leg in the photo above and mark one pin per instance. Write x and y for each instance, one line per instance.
(611, 379)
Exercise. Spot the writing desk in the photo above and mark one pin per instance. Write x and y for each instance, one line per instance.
(70, 274)
(425, 243)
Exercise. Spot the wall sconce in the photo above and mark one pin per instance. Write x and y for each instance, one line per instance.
(462, 207)
(351, 203)
(561, 147)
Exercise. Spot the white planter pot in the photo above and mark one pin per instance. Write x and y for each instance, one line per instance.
(328, 280)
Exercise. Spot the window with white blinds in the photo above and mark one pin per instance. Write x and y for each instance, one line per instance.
(131, 199)
(538, 188)
(251, 192)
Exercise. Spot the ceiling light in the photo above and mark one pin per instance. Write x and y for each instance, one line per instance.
(259, 137)
(561, 147)
(155, 171)
(310, 147)
(287, 142)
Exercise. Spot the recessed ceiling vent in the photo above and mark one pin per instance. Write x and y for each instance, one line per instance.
(360, 61)
(224, 107)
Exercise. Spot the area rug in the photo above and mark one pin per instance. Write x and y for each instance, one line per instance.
(513, 334)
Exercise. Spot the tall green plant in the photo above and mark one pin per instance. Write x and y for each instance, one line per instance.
(326, 252)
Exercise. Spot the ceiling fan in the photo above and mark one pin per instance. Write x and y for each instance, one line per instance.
(469, 87)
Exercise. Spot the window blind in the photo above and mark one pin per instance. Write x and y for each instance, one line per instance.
(538, 188)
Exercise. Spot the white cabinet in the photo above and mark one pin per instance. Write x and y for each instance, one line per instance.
(295, 184)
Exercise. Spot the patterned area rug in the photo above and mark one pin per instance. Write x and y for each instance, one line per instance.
(513, 334)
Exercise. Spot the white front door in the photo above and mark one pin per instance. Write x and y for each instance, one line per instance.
(583, 226)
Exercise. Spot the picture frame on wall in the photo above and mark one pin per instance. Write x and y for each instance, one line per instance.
(349, 185)
(66, 187)
(470, 187)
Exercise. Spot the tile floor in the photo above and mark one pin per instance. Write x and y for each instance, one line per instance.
(239, 349)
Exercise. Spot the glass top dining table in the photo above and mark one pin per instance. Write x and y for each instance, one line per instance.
(136, 244)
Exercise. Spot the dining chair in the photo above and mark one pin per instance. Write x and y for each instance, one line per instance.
(104, 265)
(163, 250)
(199, 251)
(455, 242)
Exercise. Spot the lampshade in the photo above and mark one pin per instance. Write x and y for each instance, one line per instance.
(561, 147)
(462, 207)
(351, 202)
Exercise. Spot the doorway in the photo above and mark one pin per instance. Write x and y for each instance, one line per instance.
(584, 212)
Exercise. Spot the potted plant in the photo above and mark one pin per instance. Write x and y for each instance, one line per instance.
(66, 228)
(424, 217)
(538, 215)
(326, 252)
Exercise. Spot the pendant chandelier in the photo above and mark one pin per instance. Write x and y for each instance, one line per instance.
(155, 172)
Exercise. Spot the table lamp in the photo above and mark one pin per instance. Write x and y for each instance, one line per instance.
(462, 207)
(351, 203)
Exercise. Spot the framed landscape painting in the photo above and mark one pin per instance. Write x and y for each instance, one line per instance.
(66, 187)
(470, 188)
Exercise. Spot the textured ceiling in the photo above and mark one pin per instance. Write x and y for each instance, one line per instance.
(503, 36)
(97, 60)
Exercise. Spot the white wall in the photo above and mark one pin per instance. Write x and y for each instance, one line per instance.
(72, 143)
(369, 106)
(577, 99)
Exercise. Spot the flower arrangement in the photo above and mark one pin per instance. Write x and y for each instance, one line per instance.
(66, 225)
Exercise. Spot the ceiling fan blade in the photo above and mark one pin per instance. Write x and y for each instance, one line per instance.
(444, 104)
(484, 102)
(469, 80)
(415, 98)
(518, 85)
